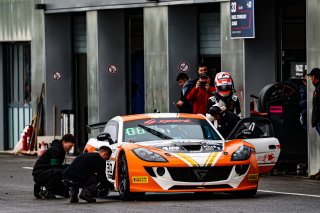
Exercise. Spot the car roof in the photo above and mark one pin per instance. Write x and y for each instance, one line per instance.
(160, 115)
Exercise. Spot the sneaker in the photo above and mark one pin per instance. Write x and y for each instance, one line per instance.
(36, 190)
(48, 195)
(87, 198)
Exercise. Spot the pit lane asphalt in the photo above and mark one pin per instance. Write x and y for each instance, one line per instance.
(276, 194)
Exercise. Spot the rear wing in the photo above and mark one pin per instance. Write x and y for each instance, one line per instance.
(90, 127)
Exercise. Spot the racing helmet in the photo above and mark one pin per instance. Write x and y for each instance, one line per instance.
(224, 84)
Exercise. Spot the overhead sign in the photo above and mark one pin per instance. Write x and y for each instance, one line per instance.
(56, 76)
(242, 19)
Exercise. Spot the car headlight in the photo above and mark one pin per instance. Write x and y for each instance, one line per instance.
(242, 153)
(147, 155)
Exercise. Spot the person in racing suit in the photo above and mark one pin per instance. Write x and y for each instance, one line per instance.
(48, 168)
(226, 120)
(224, 96)
(88, 171)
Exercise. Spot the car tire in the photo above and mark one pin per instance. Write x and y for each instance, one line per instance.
(124, 182)
(279, 93)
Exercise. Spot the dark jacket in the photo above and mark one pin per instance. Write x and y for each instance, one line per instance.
(85, 166)
(227, 122)
(187, 106)
(231, 102)
(52, 158)
(315, 118)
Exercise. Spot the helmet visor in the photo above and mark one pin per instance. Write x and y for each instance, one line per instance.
(224, 88)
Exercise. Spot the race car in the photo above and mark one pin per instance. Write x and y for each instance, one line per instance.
(176, 152)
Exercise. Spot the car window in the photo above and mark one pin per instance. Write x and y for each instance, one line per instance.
(257, 127)
(175, 128)
(112, 129)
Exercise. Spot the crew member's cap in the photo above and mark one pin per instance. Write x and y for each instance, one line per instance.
(315, 72)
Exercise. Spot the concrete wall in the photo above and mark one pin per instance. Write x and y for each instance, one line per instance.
(313, 60)
(182, 46)
(232, 54)
(111, 51)
(92, 67)
(58, 59)
(156, 59)
(260, 52)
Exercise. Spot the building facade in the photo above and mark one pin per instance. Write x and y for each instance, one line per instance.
(98, 59)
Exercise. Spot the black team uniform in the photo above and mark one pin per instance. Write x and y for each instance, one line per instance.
(86, 171)
(47, 172)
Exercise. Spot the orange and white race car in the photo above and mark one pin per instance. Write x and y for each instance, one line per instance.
(172, 152)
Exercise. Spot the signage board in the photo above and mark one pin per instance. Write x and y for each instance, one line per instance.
(242, 19)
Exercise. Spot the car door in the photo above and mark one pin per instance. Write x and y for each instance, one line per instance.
(259, 132)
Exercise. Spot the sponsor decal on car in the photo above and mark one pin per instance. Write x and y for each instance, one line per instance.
(253, 177)
(140, 179)
(163, 121)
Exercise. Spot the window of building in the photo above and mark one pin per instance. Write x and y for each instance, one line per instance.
(17, 86)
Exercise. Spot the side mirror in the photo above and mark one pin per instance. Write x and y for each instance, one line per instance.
(104, 137)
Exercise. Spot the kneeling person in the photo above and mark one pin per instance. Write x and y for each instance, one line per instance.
(87, 171)
(48, 168)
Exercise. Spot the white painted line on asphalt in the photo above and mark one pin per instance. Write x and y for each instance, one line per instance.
(27, 167)
(287, 193)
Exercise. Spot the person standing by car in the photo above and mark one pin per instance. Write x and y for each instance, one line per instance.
(315, 79)
(183, 104)
(87, 171)
(224, 96)
(226, 120)
(47, 170)
(199, 95)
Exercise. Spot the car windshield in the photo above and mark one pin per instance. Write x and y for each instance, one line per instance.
(168, 128)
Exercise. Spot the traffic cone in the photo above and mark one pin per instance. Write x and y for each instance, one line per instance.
(42, 149)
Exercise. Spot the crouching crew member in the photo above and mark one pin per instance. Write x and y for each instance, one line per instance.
(48, 168)
(87, 171)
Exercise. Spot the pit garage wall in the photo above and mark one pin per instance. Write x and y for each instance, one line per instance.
(313, 60)
(251, 62)
(58, 59)
(111, 52)
(260, 52)
(232, 54)
(182, 46)
(156, 58)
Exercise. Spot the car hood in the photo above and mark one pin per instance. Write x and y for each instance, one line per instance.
(179, 145)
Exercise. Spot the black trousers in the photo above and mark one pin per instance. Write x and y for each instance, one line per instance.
(51, 179)
(89, 186)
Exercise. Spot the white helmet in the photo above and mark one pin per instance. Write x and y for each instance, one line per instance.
(224, 84)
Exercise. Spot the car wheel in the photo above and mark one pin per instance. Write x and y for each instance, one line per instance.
(245, 193)
(124, 182)
(123, 178)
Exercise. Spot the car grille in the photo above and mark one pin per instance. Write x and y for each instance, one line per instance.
(200, 174)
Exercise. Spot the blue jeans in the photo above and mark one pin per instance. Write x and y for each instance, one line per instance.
(318, 128)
